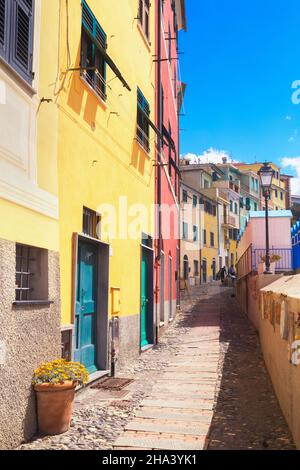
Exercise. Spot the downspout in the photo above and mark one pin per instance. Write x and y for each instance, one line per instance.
(159, 125)
(158, 165)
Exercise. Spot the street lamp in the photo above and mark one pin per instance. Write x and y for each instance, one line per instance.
(266, 174)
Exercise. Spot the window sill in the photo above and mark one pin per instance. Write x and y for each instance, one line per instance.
(91, 89)
(13, 75)
(25, 303)
(144, 37)
(146, 152)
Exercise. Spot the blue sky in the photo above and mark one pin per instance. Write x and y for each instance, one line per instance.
(240, 60)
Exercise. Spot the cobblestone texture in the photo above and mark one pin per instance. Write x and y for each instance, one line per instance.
(246, 414)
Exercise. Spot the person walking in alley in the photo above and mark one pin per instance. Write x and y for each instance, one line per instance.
(232, 274)
(223, 274)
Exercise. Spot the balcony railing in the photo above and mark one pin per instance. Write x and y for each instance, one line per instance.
(229, 220)
(249, 261)
(285, 263)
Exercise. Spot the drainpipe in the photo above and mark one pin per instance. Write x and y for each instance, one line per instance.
(159, 124)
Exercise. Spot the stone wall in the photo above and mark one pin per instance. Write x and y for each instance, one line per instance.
(284, 375)
(29, 335)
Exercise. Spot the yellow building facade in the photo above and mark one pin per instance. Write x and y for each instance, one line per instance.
(29, 232)
(106, 178)
(278, 191)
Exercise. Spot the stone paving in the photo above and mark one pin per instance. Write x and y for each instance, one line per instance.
(247, 414)
(208, 365)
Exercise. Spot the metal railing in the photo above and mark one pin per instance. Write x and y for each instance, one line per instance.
(251, 258)
(284, 264)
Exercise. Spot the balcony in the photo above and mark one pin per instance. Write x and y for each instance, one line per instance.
(229, 221)
(230, 185)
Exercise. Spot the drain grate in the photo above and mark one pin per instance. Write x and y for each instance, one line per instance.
(111, 383)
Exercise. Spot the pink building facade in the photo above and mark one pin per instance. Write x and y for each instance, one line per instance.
(170, 18)
(280, 240)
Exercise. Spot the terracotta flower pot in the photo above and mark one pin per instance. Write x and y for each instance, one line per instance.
(55, 406)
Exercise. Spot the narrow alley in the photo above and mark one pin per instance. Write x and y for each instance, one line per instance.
(204, 386)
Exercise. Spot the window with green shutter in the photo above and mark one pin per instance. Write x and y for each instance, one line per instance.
(143, 126)
(93, 42)
(16, 35)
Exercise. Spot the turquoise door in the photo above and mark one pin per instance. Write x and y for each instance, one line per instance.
(86, 306)
(144, 303)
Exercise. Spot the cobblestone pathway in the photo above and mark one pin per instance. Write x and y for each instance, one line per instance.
(208, 365)
(247, 414)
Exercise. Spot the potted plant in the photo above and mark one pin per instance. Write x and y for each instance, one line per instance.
(54, 384)
(262, 266)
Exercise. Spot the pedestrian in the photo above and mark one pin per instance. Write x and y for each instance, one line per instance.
(223, 274)
(232, 274)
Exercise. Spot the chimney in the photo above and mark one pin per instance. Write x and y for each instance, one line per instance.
(224, 160)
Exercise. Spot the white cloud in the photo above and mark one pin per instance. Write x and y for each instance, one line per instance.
(209, 156)
(294, 164)
(291, 139)
(288, 118)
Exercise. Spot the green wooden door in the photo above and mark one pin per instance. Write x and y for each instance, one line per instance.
(86, 306)
(144, 303)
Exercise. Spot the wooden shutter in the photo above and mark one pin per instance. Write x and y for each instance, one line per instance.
(4, 6)
(22, 37)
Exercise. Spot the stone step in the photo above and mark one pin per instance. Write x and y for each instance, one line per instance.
(182, 404)
(204, 416)
(180, 427)
(159, 443)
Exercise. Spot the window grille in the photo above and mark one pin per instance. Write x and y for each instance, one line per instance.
(90, 223)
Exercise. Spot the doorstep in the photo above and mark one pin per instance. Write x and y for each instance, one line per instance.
(146, 348)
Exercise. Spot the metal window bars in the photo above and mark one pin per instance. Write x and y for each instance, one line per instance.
(95, 80)
(23, 273)
(90, 222)
(142, 138)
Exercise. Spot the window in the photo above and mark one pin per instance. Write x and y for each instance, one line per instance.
(144, 15)
(206, 184)
(255, 206)
(276, 193)
(196, 268)
(195, 201)
(31, 274)
(90, 223)
(204, 237)
(185, 231)
(235, 208)
(16, 35)
(214, 211)
(231, 206)
(92, 61)
(143, 113)
(212, 239)
(195, 233)
(184, 196)
(281, 195)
